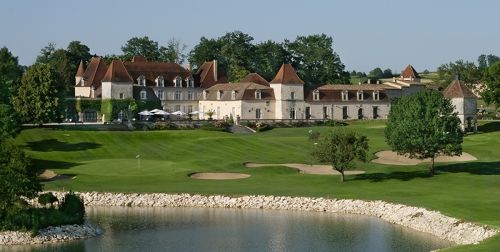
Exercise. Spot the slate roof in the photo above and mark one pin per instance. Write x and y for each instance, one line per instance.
(151, 71)
(458, 89)
(287, 75)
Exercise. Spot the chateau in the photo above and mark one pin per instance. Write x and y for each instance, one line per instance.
(253, 98)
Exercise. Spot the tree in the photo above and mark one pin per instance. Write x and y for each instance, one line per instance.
(340, 147)
(77, 51)
(205, 50)
(491, 93)
(376, 73)
(387, 73)
(39, 96)
(268, 57)
(423, 125)
(9, 126)
(141, 46)
(469, 73)
(173, 52)
(10, 75)
(17, 176)
(315, 61)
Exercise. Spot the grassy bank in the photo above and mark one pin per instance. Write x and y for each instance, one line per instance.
(106, 161)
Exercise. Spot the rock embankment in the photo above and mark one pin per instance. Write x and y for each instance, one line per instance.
(50, 234)
(420, 219)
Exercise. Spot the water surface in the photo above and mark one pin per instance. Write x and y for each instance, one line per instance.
(205, 229)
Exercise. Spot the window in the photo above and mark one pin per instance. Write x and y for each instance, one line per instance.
(141, 80)
(360, 113)
(292, 96)
(316, 95)
(308, 112)
(325, 112)
(360, 95)
(190, 95)
(143, 95)
(204, 94)
(219, 95)
(178, 81)
(376, 96)
(159, 94)
(257, 113)
(375, 112)
(258, 95)
(233, 95)
(190, 82)
(292, 113)
(345, 95)
(177, 95)
(190, 109)
(344, 113)
(121, 96)
(160, 82)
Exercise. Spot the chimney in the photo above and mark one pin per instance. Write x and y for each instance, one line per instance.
(215, 70)
(368, 81)
(378, 81)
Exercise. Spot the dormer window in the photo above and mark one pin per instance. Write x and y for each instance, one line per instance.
(141, 81)
(233, 95)
(160, 81)
(360, 95)
(376, 95)
(345, 95)
(219, 94)
(292, 96)
(143, 95)
(258, 95)
(178, 81)
(316, 95)
(204, 94)
(190, 82)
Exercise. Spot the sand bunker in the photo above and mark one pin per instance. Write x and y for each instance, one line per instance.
(49, 175)
(392, 158)
(308, 169)
(219, 175)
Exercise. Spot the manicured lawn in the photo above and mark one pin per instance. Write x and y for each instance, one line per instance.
(105, 161)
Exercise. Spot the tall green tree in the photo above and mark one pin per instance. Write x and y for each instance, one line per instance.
(174, 51)
(38, 98)
(205, 50)
(17, 176)
(143, 46)
(468, 71)
(315, 61)
(268, 57)
(77, 51)
(10, 75)
(340, 147)
(491, 93)
(236, 51)
(376, 73)
(9, 125)
(423, 125)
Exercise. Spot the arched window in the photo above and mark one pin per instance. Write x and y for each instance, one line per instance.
(219, 94)
(141, 81)
(376, 95)
(204, 94)
(160, 81)
(316, 95)
(190, 82)
(345, 95)
(258, 94)
(178, 81)
(233, 95)
(360, 95)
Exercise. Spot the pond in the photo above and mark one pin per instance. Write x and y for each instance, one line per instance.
(208, 229)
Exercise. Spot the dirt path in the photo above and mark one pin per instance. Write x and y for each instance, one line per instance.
(392, 158)
(307, 169)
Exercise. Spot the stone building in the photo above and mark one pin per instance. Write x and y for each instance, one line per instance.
(465, 103)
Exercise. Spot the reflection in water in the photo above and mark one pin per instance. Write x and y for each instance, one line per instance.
(204, 229)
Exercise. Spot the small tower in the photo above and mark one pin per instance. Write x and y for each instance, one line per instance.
(79, 74)
(410, 74)
(289, 93)
(465, 103)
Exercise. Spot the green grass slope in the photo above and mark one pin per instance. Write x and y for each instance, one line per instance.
(106, 161)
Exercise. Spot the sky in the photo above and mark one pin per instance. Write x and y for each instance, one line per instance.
(366, 34)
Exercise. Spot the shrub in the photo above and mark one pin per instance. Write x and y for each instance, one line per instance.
(73, 205)
(249, 124)
(313, 135)
(165, 126)
(47, 198)
(333, 123)
(261, 126)
(281, 125)
(299, 124)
